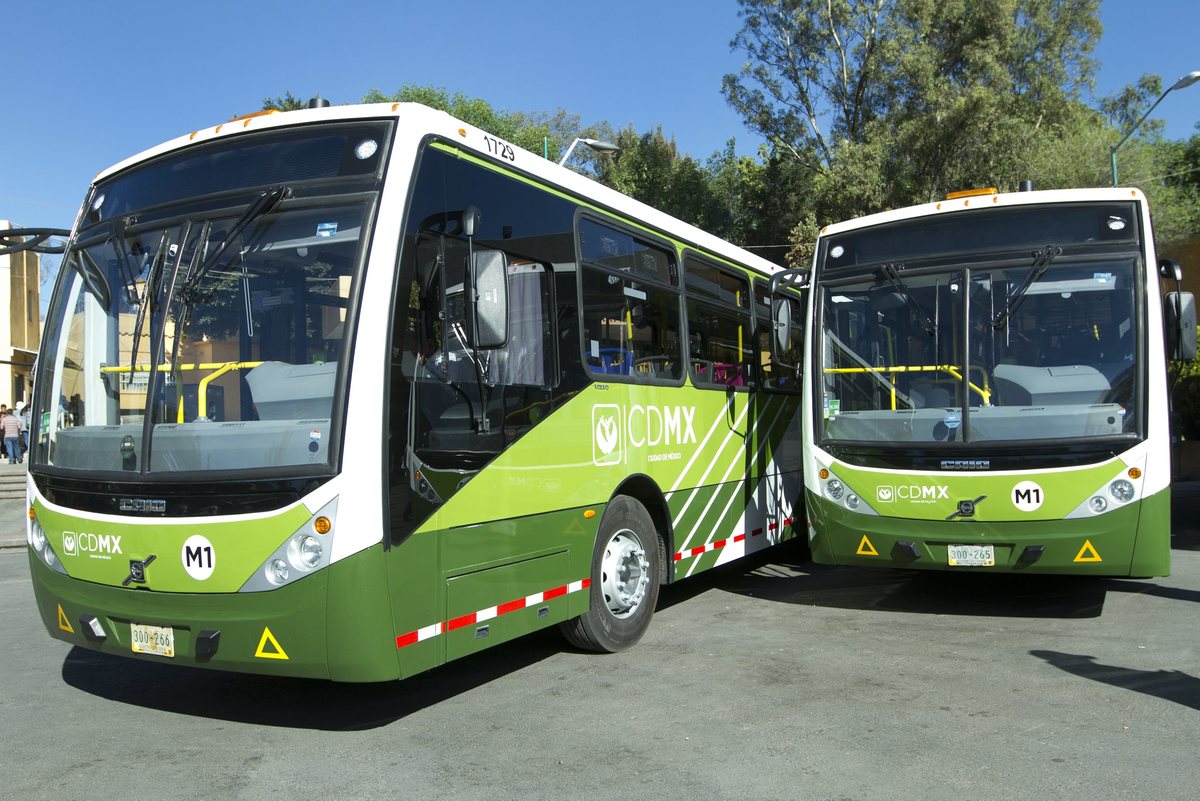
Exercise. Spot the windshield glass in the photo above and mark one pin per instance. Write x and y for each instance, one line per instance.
(210, 338)
(959, 354)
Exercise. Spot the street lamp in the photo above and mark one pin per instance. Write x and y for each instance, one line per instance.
(600, 146)
(1183, 83)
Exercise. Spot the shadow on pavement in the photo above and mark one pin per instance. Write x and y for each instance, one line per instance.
(1170, 685)
(784, 574)
(295, 703)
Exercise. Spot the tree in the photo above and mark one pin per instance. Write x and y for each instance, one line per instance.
(530, 131)
(886, 103)
(287, 102)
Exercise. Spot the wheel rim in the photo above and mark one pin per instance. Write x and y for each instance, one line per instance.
(624, 573)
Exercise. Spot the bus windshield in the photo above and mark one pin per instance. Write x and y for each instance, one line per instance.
(998, 348)
(207, 333)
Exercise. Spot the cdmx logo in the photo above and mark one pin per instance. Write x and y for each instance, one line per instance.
(606, 434)
(97, 546)
(915, 493)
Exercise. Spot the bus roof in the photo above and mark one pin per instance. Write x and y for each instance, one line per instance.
(433, 122)
(976, 202)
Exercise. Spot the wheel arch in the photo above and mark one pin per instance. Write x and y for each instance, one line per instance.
(646, 491)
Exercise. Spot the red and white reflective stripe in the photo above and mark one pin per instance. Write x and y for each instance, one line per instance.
(420, 635)
(712, 546)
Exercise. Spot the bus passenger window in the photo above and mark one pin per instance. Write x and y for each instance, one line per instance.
(630, 318)
(719, 343)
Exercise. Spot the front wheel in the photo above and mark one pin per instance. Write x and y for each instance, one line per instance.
(627, 565)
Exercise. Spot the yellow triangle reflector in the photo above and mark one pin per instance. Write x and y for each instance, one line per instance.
(1088, 553)
(63, 622)
(268, 640)
(865, 548)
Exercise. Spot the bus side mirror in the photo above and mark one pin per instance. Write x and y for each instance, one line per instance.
(1179, 309)
(784, 330)
(784, 322)
(490, 285)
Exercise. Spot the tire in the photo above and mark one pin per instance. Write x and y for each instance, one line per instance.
(627, 569)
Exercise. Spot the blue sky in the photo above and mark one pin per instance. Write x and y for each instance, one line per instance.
(90, 83)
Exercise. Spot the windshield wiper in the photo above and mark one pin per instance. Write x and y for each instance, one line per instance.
(117, 237)
(181, 316)
(265, 203)
(1042, 260)
(160, 257)
(893, 275)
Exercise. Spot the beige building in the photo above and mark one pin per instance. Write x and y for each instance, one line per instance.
(20, 325)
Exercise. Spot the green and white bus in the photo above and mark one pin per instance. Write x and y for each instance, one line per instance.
(351, 392)
(989, 387)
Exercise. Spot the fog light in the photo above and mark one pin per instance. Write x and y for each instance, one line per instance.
(1121, 490)
(309, 552)
(851, 501)
(834, 489)
(39, 537)
(277, 571)
(1097, 504)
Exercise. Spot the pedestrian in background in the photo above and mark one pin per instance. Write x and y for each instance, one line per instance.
(23, 414)
(11, 427)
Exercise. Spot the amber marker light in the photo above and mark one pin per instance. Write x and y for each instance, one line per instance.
(824, 474)
(32, 514)
(987, 190)
(589, 514)
(1134, 472)
(322, 525)
(462, 131)
(254, 114)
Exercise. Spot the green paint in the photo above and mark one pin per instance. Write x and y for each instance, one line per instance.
(103, 549)
(1112, 535)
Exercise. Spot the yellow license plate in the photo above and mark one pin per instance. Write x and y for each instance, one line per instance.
(157, 640)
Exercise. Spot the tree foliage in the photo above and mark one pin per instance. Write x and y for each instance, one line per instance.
(867, 105)
(892, 102)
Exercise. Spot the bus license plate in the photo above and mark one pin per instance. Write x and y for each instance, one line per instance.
(972, 555)
(157, 640)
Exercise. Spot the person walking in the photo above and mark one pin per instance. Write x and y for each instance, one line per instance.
(11, 427)
(23, 414)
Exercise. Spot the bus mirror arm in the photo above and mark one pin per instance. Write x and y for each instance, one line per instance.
(37, 240)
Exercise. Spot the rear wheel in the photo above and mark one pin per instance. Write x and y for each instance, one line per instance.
(627, 567)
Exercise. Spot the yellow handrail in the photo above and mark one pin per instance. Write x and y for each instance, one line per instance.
(202, 391)
(984, 393)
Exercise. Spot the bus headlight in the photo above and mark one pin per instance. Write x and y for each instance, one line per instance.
(1097, 504)
(277, 571)
(851, 501)
(835, 489)
(308, 551)
(38, 537)
(1121, 490)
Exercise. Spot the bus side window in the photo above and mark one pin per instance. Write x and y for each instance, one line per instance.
(720, 348)
(630, 306)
